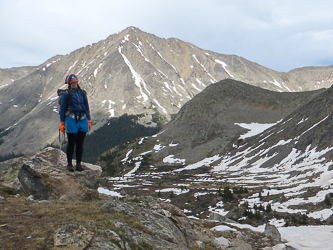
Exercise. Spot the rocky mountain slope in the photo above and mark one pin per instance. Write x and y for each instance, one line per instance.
(286, 166)
(129, 72)
(209, 123)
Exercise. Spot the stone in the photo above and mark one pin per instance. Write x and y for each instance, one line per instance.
(200, 244)
(155, 222)
(72, 236)
(103, 244)
(272, 232)
(41, 178)
(235, 213)
(216, 217)
(241, 242)
(112, 235)
(221, 243)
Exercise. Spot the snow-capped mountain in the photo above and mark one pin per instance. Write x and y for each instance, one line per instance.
(130, 72)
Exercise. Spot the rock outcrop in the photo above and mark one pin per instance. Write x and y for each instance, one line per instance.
(42, 178)
(154, 224)
(72, 236)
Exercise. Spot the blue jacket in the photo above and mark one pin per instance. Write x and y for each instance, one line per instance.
(78, 103)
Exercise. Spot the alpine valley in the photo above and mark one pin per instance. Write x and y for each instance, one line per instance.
(221, 136)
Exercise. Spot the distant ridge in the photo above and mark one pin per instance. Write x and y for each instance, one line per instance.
(207, 125)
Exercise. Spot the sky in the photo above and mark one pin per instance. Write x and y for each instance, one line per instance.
(280, 34)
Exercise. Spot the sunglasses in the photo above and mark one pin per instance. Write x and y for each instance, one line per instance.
(73, 76)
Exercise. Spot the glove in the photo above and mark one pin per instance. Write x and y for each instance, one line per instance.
(89, 124)
(62, 127)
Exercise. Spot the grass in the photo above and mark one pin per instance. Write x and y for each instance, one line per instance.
(28, 224)
(31, 225)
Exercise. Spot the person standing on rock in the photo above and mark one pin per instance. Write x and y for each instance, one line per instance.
(74, 120)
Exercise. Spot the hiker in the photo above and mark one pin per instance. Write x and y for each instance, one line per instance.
(74, 120)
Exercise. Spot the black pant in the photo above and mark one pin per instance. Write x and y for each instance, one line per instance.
(75, 139)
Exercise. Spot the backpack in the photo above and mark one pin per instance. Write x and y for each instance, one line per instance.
(60, 95)
(60, 92)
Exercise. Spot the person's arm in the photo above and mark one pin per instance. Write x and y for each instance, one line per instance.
(63, 106)
(87, 105)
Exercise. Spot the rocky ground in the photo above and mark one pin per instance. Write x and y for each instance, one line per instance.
(64, 218)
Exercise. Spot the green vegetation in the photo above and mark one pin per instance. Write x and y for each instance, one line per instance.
(240, 190)
(226, 194)
(31, 225)
(327, 200)
(116, 131)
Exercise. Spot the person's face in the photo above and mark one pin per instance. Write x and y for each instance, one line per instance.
(73, 79)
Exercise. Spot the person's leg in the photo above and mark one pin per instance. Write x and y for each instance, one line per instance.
(70, 149)
(79, 149)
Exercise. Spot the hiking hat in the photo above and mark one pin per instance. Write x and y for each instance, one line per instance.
(68, 77)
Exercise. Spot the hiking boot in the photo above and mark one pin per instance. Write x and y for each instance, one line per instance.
(79, 167)
(70, 168)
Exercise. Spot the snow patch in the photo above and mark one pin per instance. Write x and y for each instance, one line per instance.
(254, 128)
(224, 66)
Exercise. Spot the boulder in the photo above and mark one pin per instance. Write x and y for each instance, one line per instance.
(216, 217)
(272, 232)
(221, 242)
(235, 213)
(103, 244)
(241, 242)
(42, 178)
(72, 236)
(162, 226)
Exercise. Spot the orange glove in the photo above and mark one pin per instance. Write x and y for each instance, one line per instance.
(89, 124)
(62, 127)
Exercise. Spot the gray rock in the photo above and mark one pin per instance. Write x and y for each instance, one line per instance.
(137, 237)
(235, 213)
(241, 242)
(152, 221)
(72, 236)
(103, 244)
(221, 243)
(216, 217)
(112, 235)
(200, 244)
(272, 232)
(42, 179)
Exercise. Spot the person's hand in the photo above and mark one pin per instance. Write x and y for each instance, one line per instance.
(62, 127)
(89, 124)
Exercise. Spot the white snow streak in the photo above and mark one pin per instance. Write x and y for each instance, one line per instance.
(224, 66)
(72, 66)
(139, 82)
(213, 80)
(96, 70)
(168, 62)
(158, 104)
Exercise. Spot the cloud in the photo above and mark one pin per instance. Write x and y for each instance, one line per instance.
(280, 34)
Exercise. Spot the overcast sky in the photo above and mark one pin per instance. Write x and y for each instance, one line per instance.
(278, 34)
